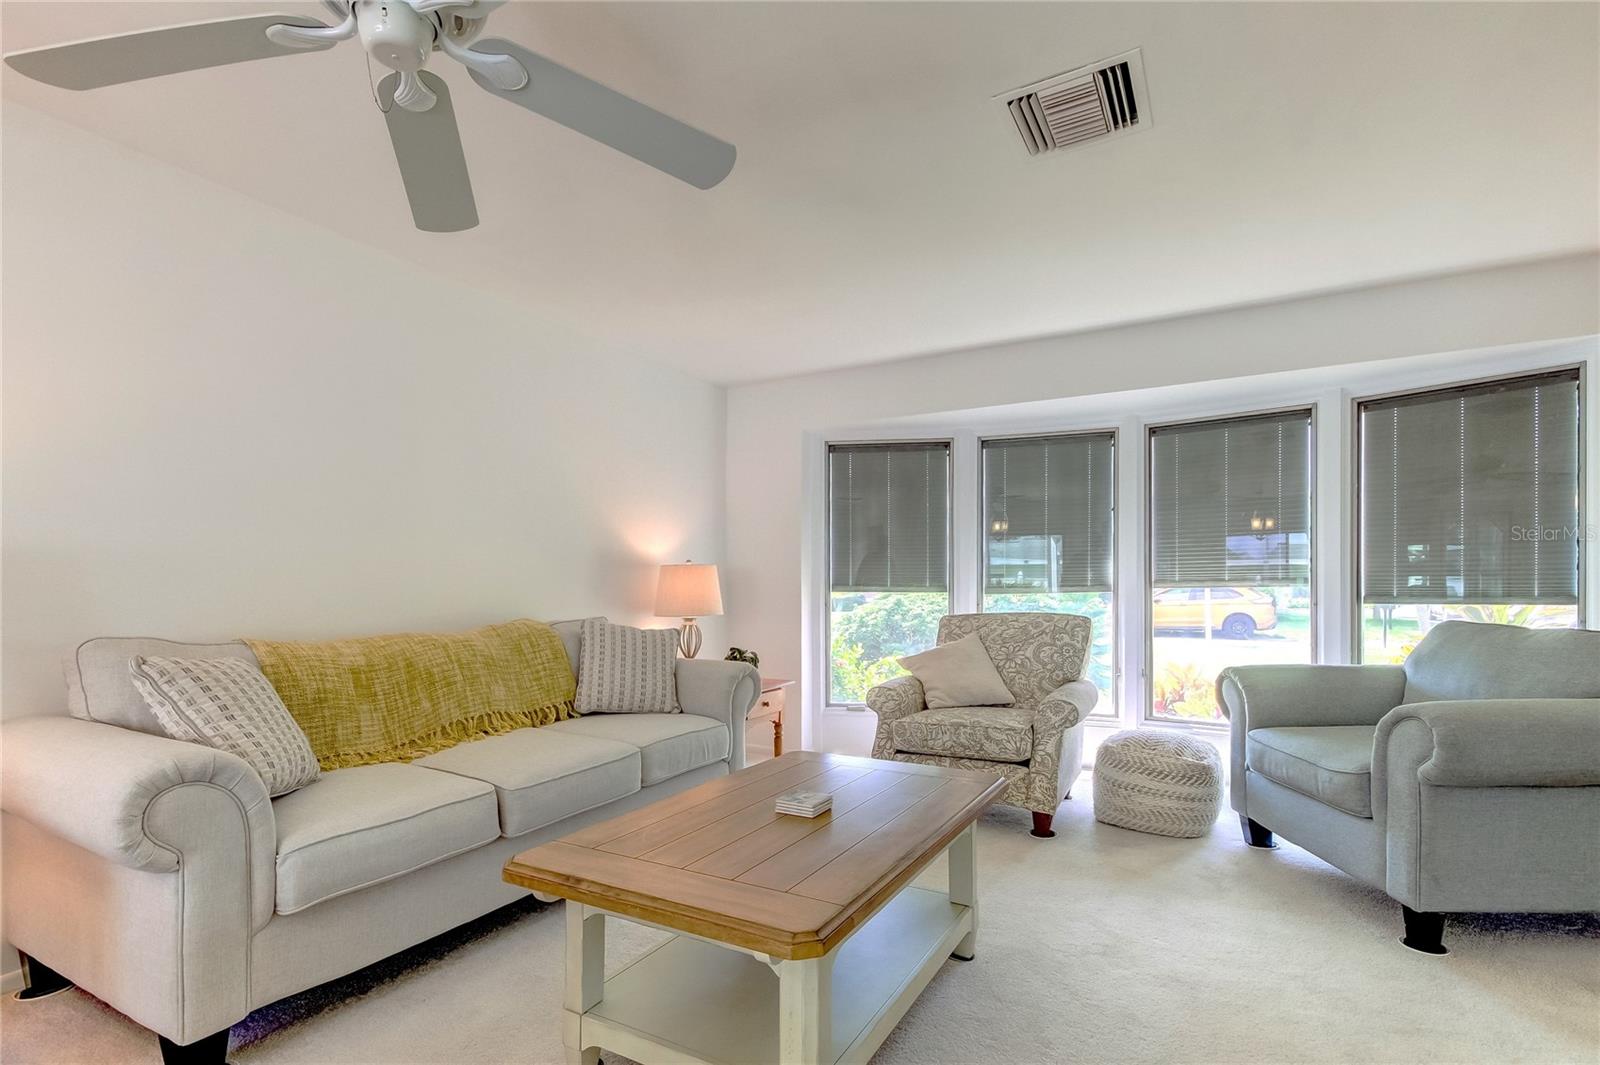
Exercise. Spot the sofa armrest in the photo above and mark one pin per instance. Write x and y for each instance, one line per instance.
(95, 785)
(721, 690)
(139, 866)
(1288, 696)
(1499, 743)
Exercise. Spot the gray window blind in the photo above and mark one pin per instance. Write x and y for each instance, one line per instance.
(889, 517)
(1470, 495)
(1048, 513)
(1230, 502)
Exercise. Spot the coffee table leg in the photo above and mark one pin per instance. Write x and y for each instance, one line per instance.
(964, 886)
(805, 1011)
(586, 977)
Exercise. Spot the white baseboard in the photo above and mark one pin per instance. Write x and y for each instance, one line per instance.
(11, 981)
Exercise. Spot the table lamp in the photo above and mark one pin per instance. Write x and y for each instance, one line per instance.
(688, 590)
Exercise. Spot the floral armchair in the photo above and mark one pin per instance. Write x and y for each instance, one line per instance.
(1036, 743)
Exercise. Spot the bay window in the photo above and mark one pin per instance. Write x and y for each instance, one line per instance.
(1230, 554)
(1469, 509)
(888, 559)
(1048, 536)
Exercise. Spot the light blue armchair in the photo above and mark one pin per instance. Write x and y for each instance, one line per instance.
(1467, 780)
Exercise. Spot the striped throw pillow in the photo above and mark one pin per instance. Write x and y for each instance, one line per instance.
(227, 704)
(623, 670)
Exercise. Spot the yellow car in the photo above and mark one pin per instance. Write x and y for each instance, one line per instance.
(1237, 613)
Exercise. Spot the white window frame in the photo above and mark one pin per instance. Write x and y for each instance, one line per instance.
(1332, 394)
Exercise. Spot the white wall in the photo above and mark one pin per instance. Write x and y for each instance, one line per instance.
(769, 424)
(221, 421)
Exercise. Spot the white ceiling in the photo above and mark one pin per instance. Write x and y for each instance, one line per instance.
(881, 205)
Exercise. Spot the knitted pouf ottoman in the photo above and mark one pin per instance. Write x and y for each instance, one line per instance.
(1157, 782)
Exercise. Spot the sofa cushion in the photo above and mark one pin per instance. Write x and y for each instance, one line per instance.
(1330, 763)
(669, 744)
(226, 703)
(100, 686)
(992, 733)
(541, 776)
(361, 826)
(626, 670)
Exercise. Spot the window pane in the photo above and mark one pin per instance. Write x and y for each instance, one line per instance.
(1096, 606)
(1253, 625)
(889, 517)
(888, 559)
(1470, 495)
(1389, 632)
(1230, 520)
(870, 630)
(1049, 531)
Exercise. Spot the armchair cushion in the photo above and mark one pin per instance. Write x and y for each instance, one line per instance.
(992, 733)
(1329, 763)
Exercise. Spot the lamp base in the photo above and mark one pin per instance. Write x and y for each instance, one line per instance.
(689, 638)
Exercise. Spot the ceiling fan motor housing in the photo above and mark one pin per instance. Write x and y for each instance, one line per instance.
(394, 34)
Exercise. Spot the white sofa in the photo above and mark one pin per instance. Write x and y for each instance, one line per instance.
(159, 876)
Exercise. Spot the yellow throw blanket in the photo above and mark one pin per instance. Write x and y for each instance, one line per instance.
(395, 698)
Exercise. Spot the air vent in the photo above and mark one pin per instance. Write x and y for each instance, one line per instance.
(1094, 102)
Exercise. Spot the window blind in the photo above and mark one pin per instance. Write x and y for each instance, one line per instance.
(1230, 502)
(1048, 513)
(889, 517)
(1470, 495)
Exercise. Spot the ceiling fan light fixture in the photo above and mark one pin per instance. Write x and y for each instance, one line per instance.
(394, 34)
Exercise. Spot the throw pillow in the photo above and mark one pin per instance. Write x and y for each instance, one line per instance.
(624, 670)
(227, 704)
(958, 673)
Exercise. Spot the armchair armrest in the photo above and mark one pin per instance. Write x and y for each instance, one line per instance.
(721, 690)
(1496, 743)
(1065, 707)
(1438, 766)
(1286, 696)
(893, 699)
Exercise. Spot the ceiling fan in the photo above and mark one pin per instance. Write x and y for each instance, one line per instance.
(402, 35)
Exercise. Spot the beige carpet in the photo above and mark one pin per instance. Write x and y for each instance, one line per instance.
(1101, 945)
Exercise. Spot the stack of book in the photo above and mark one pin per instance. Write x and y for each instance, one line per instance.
(805, 803)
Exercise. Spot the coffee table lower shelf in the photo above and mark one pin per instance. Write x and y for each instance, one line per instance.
(691, 1000)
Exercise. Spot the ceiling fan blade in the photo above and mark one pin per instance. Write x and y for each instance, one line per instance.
(427, 146)
(611, 118)
(105, 61)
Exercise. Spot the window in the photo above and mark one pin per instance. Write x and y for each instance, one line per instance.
(1469, 508)
(1230, 554)
(1049, 529)
(888, 559)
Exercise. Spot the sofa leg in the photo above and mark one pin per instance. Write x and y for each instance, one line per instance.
(1041, 825)
(1424, 931)
(212, 1050)
(1256, 835)
(39, 980)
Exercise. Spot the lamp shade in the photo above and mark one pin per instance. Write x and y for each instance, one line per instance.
(688, 590)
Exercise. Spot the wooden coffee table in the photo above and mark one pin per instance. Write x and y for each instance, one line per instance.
(799, 940)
